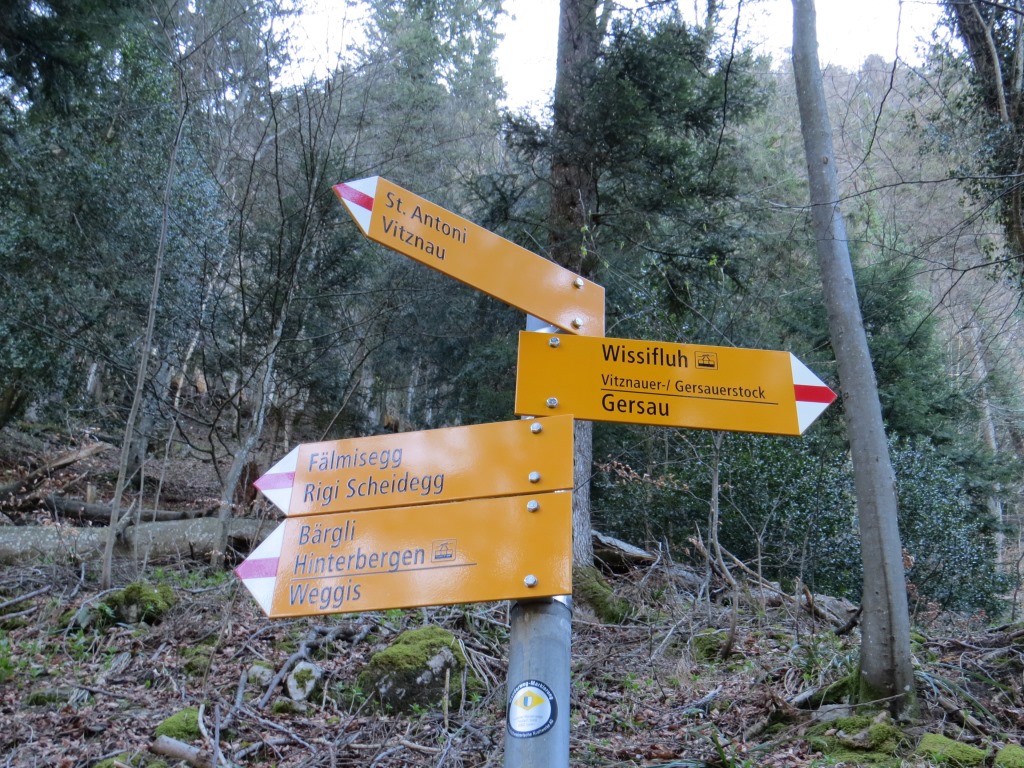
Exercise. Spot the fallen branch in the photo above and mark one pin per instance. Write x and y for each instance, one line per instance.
(179, 750)
(100, 513)
(16, 600)
(12, 489)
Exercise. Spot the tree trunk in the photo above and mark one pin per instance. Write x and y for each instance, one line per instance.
(243, 454)
(24, 544)
(144, 355)
(988, 431)
(573, 203)
(886, 672)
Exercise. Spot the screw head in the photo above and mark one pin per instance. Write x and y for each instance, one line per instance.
(536, 428)
(535, 477)
(532, 505)
(578, 282)
(554, 341)
(530, 581)
(577, 322)
(552, 402)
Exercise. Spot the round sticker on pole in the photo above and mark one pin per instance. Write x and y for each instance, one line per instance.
(532, 710)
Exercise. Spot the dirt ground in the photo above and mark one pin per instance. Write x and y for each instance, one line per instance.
(694, 677)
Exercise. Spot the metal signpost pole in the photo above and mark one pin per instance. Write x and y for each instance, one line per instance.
(537, 718)
(540, 642)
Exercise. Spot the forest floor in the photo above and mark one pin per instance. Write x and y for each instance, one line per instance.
(693, 678)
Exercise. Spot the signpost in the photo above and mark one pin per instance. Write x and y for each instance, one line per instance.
(666, 384)
(456, 515)
(484, 513)
(421, 230)
(429, 467)
(507, 548)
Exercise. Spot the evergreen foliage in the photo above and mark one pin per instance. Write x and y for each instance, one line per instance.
(699, 234)
(51, 53)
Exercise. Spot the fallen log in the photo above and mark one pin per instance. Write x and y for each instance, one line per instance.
(12, 489)
(100, 513)
(179, 538)
(179, 750)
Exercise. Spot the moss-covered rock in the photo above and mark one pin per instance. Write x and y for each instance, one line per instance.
(411, 672)
(1010, 756)
(589, 586)
(283, 705)
(862, 740)
(183, 725)
(945, 751)
(139, 602)
(259, 674)
(303, 682)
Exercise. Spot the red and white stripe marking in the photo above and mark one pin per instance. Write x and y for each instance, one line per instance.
(277, 483)
(358, 199)
(812, 395)
(258, 571)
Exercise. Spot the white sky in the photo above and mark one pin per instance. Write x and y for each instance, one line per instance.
(848, 32)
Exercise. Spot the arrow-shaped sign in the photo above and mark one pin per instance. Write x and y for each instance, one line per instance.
(427, 467)
(414, 227)
(666, 384)
(510, 548)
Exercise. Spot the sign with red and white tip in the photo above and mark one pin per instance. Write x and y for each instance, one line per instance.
(665, 384)
(427, 467)
(510, 548)
(414, 227)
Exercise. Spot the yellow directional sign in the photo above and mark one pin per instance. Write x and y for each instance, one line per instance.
(510, 548)
(414, 227)
(673, 385)
(428, 467)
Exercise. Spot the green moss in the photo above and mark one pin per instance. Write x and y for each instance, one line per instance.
(884, 737)
(303, 676)
(183, 725)
(412, 649)
(905, 708)
(197, 661)
(837, 692)
(945, 751)
(1010, 756)
(285, 706)
(848, 724)
(860, 740)
(593, 589)
(707, 646)
(44, 697)
(139, 602)
(403, 675)
(9, 625)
